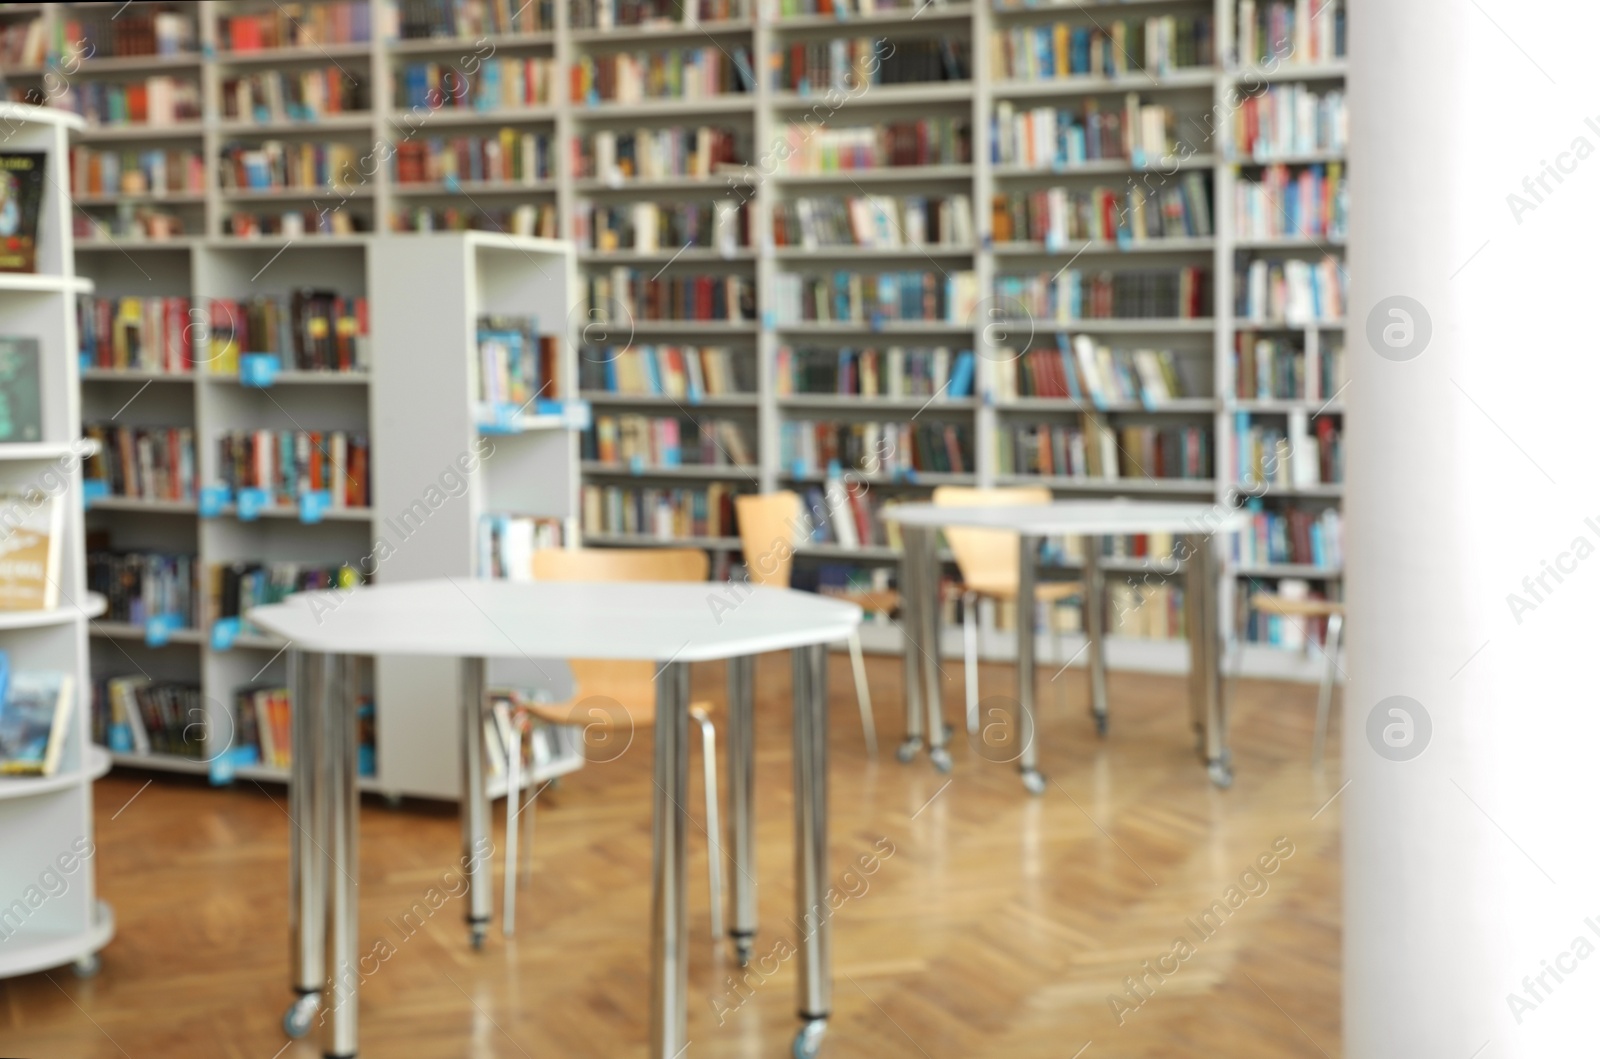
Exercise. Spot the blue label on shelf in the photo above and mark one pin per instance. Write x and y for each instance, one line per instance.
(213, 498)
(84, 362)
(225, 764)
(877, 320)
(577, 414)
(94, 489)
(208, 50)
(158, 629)
(769, 320)
(119, 737)
(252, 502)
(636, 464)
(223, 633)
(1052, 242)
(313, 503)
(798, 470)
(451, 184)
(258, 369)
(988, 240)
(1138, 158)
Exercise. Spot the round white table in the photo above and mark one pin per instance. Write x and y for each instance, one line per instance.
(673, 624)
(1195, 525)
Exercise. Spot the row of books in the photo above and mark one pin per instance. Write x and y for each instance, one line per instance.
(140, 585)
(1291, 634)
(1047, 51)
(287, 463)
(156, 100)
(307, 329)
(647, 227)
(896, 371)
(506, 544)
(1056, 216)
(126, 34)
(499, 84)
(1094, 450)
(279, 164)
(297, 95)
(251, 224)
(546, 744)
(849, 517)
(1288, 120)
(871, 297)
(1282, 368)
(925, 141)
(686, 372)
(662, 73)
(1293, 535)
(1301, 453)
(665, 513)
(608, 14)
(844, 9)
(621, 295)
(667, 441)
(1292, 291)
(233, 588)
(510, 156)
(1140, 611)
(808, 447)
(129, 220)
(1132, 294)
(469, 19)
(138, 715)
(884, 222)
(143, 463)
(297, 25)
(516, 364)
(1313, 202)
(24, 43)
(156, 171)
(617, 156)
(136, 334)
(1097, 374)
(1290, 32)
(848, 64)
(527, 219)
(1056, 136)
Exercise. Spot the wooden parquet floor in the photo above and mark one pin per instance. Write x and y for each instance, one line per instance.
(998, 926)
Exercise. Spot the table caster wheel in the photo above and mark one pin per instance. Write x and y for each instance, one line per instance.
(742, 949)
(297, 1020)
(1221, 773)
(808, 1042)
(941, 759)
(907, 751)
(1101, 723)
(392, 800)
(1033, 781)
(87, 965)
(479, 933)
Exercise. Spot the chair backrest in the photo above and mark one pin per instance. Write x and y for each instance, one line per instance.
(985, 556)
(620, 564)
(767, 534)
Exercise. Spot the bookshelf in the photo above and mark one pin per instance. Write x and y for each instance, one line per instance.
(1194, 104)
(47, 822)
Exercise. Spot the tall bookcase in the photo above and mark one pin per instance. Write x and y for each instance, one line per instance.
(47, 822)
(1207, 99)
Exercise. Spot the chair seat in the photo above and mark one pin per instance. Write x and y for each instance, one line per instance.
(1296, 608)
(884, 599)
(1049, 591)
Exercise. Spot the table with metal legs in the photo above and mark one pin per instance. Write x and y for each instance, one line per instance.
(1091, 520)
(326, 963)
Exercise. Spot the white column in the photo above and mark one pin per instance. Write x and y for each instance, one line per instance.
(1471, 465)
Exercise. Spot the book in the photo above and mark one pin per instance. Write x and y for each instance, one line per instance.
(22, 176)
(34, 720)
(30, 553)
(21, 411)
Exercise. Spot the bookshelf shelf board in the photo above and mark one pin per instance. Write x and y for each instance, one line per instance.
(1337, 70)
(731, 103)
(694, 470)
(436, 45)
(881, 95)
(904, 174)
(257, 642)
(1117, 327)
(689, 255)
(526, 424)
(1324, 490)
(694, 327)
(718, 182)
(175, 198)
(656, 400)
(92, 606)
(133, 375)
(361, 119)
(1101, 167)
(1112, 485)
(878, 553)
(1291, 242)
(647, 540)
(908, 480)
(332, 514)
(1070, 404)
(133, 503)
(468, 188)
(127, 630)
(99, 763)
(43, 282)
(277, 239)
(46, 450)
(1026, 7)
(296, 54)
(1292, 158)
(41, 948)
(662, 31)
(909, 15)
(1284, 326)
(1173, 81)
(1271, 406)
(1305, 570)
(302, 378)
(1183, 245)
(173, 131)
(406, 117)
(871, 253)
(844, 400)
(887, 327)
(123, 245)
(137, 64)
(260, 773)
(293, 194)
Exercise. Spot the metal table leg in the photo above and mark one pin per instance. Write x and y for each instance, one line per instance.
(475, 804)
(308, 870)
(741, 802)
(339, 767)
(1027, 613)
(911, 628)
(669, 914)
(1205, 655)
(812, 911)
(1094, 597)
(932, 688)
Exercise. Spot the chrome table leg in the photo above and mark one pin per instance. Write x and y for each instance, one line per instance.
(1027, 614)
(1094, 623)
(339, 768)
(669, 962)
(741, 802)
(308, 869)
(932, 688)
(813, 915)
(1204, 651)
(475, 842)
(911, 630)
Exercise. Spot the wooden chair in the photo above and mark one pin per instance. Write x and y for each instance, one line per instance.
(1284, 607)
(609, 694)
(988, 561)
(768, 531)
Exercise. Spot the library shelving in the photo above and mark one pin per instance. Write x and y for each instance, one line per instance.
(1202, 135)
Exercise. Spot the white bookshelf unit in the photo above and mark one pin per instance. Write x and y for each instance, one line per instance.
(1206, 101)
(47, 822)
